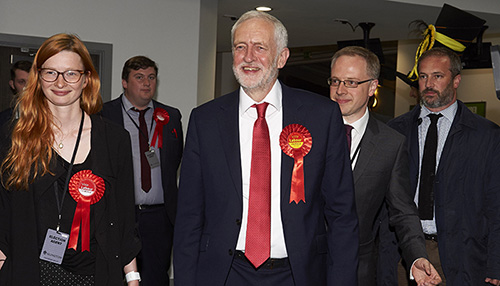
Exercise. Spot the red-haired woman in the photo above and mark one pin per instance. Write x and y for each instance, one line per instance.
(67, 203)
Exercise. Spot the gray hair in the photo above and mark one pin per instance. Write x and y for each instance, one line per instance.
(280, 33)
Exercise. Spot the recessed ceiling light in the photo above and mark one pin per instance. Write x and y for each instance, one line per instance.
(263, 9)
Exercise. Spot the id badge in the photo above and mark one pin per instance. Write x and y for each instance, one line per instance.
(54, 246)
(152, 158)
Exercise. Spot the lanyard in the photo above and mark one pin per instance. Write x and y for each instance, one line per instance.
(60, 203)
(137, 126)
(357, 151)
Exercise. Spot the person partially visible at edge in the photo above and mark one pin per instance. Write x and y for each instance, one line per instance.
(18, 79)
(459, 196)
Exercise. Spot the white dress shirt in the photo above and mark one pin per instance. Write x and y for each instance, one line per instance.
(274, 119)
(155, 194)
(358, 130)
(443, 128)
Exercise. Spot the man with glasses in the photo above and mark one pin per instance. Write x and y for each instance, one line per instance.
(156, 135)
(380, 168)
(457, 187)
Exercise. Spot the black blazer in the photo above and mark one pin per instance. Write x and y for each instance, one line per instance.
(114, 215)
(170, 153)
(381, 175)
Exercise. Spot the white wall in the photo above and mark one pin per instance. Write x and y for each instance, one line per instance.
(476, 85)
(226, 82)
(167, 31)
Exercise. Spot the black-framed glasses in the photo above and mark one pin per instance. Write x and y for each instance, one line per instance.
(50, 75)
(335, 82)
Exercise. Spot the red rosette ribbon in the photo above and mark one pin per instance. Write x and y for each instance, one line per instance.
(296, 142)
(86, 189)
(161, 117)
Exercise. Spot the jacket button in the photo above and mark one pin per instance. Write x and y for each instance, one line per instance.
(238, 222)
(116, 256)
(111, 224)
(230, 252)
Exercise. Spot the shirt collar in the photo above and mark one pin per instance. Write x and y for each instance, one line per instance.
(128, 105)
(448, 113)
(273, 98)
(360, 124)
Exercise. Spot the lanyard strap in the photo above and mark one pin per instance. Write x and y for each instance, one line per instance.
(60, 203)
(137, 126)
(357, 150)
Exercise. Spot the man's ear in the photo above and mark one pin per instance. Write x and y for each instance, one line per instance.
(373, 87)
(283, 57)
(456, 81)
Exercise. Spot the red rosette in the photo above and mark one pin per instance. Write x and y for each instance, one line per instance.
(296, 142)
(161, 117)
(86, 189)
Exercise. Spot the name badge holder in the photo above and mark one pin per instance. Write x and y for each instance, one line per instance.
(150, 154)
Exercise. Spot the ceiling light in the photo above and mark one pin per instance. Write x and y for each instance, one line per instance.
(263, 9)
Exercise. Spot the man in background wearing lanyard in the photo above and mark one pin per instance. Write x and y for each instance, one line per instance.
(156, 135)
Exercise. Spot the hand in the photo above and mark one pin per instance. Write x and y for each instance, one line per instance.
(2, 259)
(492, 281)
(424, 272)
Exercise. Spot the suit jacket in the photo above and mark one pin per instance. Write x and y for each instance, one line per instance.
(381, 175)
(170, 153)
(114, 215)
(467, 195)
(210, 196)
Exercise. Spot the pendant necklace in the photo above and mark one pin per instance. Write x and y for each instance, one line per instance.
(60, 144)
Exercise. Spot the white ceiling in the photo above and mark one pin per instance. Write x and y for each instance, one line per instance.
(312, 22)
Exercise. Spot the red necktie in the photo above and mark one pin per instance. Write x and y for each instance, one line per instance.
(258, 239)
(144, 146)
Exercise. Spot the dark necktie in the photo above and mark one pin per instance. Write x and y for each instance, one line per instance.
(144, 147)
(427, 173)
(348, 129)
(258, 237)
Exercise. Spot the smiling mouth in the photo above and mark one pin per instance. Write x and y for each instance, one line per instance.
(342, 101)
(60, 92)
(251, 68)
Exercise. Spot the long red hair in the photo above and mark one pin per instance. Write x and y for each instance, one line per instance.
(32, 137)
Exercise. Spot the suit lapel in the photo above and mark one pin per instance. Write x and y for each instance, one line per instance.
(117, 111)
(291, 113)
(228, 123)
(367, 147)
